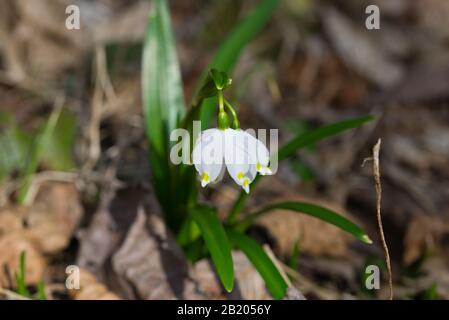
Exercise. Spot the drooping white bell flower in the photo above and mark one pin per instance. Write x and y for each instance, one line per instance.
(242, 154)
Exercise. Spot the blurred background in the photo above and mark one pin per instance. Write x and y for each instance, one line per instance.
(314, 63)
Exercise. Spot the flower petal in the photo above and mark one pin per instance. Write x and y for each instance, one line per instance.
(262, 155)
(207, 155)
(238, 160)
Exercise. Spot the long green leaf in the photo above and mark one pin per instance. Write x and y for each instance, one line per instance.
(217, 243)
(320, 133)
(230, 50)
(301, 141)
(314, 211)
(162, 97)
(260, 260)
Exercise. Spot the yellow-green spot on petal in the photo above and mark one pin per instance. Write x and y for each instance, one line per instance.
(240, 175)
(205, 177)
(246, 183)
(258, 166)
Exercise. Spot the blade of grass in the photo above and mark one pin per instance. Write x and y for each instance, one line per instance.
(41, 291)
(260, 260)
(21, 276)
(217, 243)
(313, 210)
(300, 141)
(296, 252)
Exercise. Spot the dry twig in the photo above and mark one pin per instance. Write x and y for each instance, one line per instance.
(376, 174)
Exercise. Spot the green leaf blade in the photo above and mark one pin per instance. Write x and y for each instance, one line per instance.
(163, 96)
(313, 210)
(320, 133)
(260, 260)
(242, 34)
(229, 52)
(163, 101)
(217, 242)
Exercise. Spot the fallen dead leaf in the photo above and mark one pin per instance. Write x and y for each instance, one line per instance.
(206, 279)
(91, 289)
(45, 227)
(249, 285)
(313, 235)
(11, 247)
(55, 217)
(150, 265)
(423, 233)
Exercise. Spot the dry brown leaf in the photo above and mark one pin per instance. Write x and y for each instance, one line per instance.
(206, 279)
(45, 227)
(249, 285)
(108, 227)
(150, 264)
(91, 289)
(11, 220)
(11, 246)
(314, 236)
(54, 218)
(423, 233)
(56, 213)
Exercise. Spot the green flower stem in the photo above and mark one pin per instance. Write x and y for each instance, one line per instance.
(223, 120)
(220, 101)
(235, 121)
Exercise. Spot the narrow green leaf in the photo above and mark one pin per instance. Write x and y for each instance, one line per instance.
(41, 291)
(260, 260)
(58, 154)
(302, 140)
(320, 133)
(21, 276)
(36, 154)
(314, 211)
(161, 78)
(15, 146)
(163, 102)
(227, 55)
(229, 52)
(216, 241)
(296, 252)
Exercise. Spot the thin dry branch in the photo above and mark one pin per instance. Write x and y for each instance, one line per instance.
(376, 174)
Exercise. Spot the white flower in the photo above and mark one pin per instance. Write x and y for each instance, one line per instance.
(242, 154)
